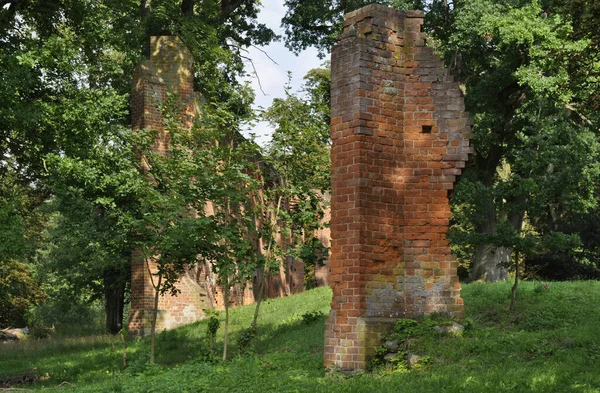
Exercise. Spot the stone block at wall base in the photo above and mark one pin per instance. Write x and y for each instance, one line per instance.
(359, 352)
(140, 322)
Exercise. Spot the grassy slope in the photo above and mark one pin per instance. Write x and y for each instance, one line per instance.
(551, 343)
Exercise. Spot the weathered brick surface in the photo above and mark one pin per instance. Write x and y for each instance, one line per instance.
(400, 139)
(169, 71)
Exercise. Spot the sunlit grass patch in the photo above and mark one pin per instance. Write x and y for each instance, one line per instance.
(549, 343)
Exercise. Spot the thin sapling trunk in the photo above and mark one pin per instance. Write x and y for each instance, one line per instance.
(226, 332)
(124, 340)
(513, 299)
(261, 291)
(154, 312)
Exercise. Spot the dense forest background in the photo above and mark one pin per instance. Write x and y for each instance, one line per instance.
(74, 200)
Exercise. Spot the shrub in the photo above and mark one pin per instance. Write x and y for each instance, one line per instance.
(311, 316)
(19, 292)
(245, 338)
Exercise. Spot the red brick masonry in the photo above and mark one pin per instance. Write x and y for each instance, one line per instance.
(400, 139)
(170, 70)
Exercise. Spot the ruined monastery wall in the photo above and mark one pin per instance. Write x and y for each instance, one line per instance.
(400, 139)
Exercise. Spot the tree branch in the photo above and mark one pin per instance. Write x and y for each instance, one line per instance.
(154, 285)
(571, 108)
(240, 49)
(227, 7)
(319, 28)
(187, 7)
(255, 73)
(265, 53)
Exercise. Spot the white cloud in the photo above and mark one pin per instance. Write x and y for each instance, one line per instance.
(273, 77)
(274, 8)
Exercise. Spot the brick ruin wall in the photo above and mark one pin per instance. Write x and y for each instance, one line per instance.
(400, 139)
(170, 70)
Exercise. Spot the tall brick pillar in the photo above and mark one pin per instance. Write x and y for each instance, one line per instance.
(168, 71)
(400, 138)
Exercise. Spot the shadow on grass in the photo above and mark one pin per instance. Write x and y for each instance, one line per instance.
(67, 364)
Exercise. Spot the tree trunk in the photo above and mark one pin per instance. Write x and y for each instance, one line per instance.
(226, 332)
(145, 10)
(491, 263)
(261, 294)
(124, 341)
(187, 7)
(114, 300)
(265, 272)
(513, 298)
(154, 318)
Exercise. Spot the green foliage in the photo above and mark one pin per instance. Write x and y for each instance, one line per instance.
(19, 292)
(299, 152)
(66, 81)
(88, 238)
(67, 312)
(213, 325)
(378, 363)
(319, 23)
(312, 316)
(245, 339)
(20, 226)
(406, 335)
(468, 324)
(299, 148)
(405, 329)
(139, 364)
(67, 84)
(39, 331)
(516, 60)
(205, 355)
(12, 233)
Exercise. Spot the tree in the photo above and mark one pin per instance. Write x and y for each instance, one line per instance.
(65, 85)
(194, 200)
(66, 77)
(299, 153)
(234, 186)
(299, 148)
(513, 61)
(18, 293)
(529, 72)
(95, 200)
(319, 23)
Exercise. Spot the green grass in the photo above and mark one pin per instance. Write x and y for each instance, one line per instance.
(550, 343)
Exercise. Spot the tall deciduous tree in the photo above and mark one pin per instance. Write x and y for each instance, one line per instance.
(96, 198)
(530, 74)
(233, 187)
(533, 152)
(299, 152)
(67, 70)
